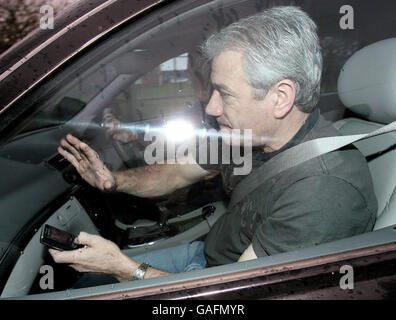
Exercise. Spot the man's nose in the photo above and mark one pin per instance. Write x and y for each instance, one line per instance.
(215, 105)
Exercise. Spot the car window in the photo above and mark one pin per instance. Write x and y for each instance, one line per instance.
(335, 52)
(146, 73)
(164, 90)
(132, 75)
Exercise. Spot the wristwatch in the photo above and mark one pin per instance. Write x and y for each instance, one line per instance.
(140, 271)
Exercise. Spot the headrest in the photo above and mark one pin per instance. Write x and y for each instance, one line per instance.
(367, 82)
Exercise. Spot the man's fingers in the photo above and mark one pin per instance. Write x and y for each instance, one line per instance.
(91, 155)
(86, 239)
(63, 256)
(68, 156)
(82, 148)
(108, 185)
(72, 140)
(72, 149)
(71, 143)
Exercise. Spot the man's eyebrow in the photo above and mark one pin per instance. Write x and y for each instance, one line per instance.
(222, 88)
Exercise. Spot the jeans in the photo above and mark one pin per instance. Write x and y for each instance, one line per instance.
(183, 258)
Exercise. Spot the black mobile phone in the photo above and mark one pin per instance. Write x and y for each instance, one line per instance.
(58, 239)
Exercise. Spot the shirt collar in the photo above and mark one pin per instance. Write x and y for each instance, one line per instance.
(297, 139)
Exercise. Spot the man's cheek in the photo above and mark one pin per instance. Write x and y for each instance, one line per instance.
(225, 133)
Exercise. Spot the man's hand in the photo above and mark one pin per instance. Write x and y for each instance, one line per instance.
(98, 255)
(87, 163)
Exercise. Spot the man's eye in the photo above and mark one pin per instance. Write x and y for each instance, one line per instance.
(225, 95)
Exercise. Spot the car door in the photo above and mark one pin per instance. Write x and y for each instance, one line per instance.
(143, 74)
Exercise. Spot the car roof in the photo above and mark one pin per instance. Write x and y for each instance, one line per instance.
(43, 51)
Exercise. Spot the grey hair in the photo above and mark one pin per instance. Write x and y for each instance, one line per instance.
(278, 43)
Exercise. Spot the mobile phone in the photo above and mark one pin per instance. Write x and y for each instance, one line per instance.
(58, 239)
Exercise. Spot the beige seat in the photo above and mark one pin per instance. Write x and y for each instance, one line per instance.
(367, 87)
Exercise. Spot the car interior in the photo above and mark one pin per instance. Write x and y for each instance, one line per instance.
(146, 88)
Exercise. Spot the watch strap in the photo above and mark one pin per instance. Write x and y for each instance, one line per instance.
(140, 271)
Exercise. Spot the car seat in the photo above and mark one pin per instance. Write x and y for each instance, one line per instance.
(367, 88)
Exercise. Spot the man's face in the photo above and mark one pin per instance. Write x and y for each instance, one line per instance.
(232, 101)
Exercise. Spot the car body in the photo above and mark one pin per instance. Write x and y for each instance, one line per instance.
(145, 54)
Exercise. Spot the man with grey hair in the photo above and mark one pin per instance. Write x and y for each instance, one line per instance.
(266, 72)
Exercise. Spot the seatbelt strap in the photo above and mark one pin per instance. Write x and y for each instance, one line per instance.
(297, 155)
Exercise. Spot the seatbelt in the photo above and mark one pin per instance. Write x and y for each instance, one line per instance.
(297, 155)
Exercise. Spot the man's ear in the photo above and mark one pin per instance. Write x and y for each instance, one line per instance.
(285, 94)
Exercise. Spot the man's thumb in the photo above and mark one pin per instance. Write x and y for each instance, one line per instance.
(109, 186)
